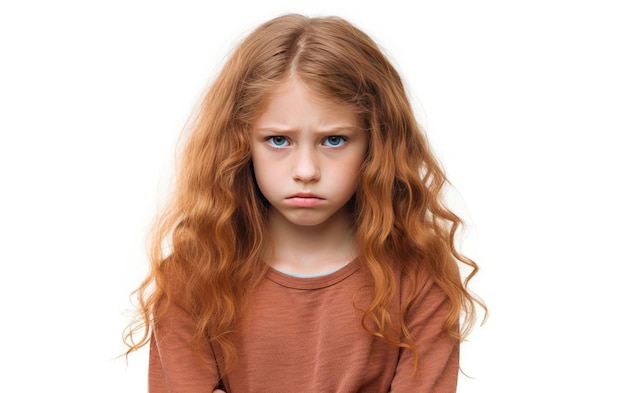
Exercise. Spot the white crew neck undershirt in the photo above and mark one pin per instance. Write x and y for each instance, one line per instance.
(326, 273)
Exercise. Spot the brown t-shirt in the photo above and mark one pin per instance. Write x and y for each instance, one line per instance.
(305, 335)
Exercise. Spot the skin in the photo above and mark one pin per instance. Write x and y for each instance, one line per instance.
(307, 154)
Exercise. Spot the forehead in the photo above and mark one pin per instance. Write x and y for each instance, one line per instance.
(293, 103)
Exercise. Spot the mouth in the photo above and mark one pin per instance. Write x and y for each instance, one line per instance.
(305, 195)
(304, 199)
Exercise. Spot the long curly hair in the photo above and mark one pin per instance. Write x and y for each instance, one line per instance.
(207, 244)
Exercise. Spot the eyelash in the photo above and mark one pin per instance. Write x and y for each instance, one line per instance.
(272, 141)
(343, 140)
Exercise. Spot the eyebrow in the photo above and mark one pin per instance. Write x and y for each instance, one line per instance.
(329, 130)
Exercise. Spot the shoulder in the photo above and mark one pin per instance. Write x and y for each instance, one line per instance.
(417, 287)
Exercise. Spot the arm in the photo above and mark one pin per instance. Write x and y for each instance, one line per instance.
(174, 366)
(438, 363)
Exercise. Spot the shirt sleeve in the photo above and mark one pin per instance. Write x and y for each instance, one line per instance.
(438, 362)
(174, 365)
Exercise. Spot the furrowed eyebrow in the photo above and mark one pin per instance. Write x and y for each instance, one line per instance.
(275, 130)
(329, 131)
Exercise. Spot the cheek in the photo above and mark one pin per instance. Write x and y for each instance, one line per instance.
(348, 175)
(264, 175)
(356, 162)
(256, 168)
(257, 161)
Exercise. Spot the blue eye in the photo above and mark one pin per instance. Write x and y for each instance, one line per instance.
(277, 141)
(334, 141)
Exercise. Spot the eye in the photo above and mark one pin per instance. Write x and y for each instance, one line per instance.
(334, 141)
(277, 141)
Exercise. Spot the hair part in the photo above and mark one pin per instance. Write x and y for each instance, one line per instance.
(216, 221)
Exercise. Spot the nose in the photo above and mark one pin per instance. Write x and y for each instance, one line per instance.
(306, 166)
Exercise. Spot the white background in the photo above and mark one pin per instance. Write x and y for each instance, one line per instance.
(524, 103)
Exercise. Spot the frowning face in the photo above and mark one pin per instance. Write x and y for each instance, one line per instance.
(307, 154)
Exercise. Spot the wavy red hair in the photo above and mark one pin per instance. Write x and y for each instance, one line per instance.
(207, 245)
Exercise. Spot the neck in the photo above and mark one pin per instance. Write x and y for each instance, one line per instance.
(311, 249)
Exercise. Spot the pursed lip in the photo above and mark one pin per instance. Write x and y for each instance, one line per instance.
(304, 199)
(305, 195)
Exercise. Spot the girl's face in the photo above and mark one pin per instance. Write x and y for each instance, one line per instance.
(307, 154)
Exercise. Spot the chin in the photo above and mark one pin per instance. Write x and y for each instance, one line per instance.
(306, 220)
(306, 223)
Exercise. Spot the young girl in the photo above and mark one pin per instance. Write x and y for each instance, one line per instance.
(306, 248)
